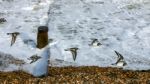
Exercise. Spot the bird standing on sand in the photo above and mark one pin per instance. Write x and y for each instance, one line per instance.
(120, 62)
(73, 51)
(34, 58)
(95, 43)
(14, 36)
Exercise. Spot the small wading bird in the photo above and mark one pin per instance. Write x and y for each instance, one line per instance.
(120, 62)
(14, 36)
(73, 51)
(34, 58)
(95, 43)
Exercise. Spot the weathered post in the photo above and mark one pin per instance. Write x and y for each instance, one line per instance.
(42, 37)
(40, 59)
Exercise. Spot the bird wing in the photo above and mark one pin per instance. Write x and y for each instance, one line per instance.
(119, 55)
(74, 54)
(34, 60)
(12, 40)
(95, 40)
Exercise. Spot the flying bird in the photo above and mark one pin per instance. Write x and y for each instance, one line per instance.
(95, 43)
(120, 60)
(73, 51)
(14, 36)
(2, 20)
(34, 58)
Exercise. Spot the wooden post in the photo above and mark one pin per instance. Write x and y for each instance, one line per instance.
(42, 37)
